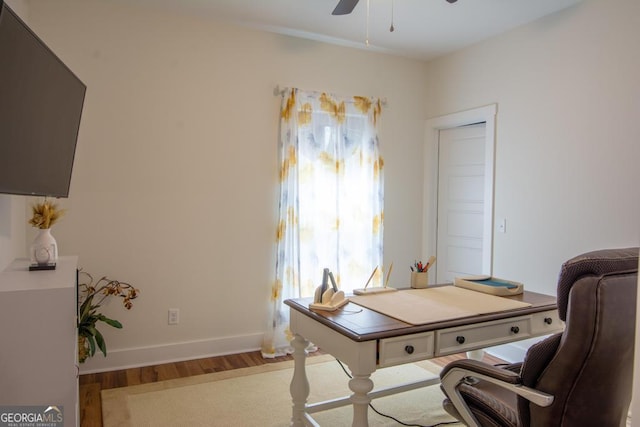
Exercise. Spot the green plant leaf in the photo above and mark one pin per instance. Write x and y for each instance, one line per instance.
(101, 343)
(92, 329)
(92, 345)
(110, 322)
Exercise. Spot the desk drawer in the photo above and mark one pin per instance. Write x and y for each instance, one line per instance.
(546, 322)
(481, 335)
(404, 349)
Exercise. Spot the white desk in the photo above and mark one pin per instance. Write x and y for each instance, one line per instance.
(368, 340)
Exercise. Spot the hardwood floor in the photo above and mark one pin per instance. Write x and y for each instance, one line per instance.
(91, 384)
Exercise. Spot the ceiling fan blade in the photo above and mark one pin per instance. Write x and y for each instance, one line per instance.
(345, 7)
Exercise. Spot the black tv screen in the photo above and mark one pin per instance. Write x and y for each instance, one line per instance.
(41, 103)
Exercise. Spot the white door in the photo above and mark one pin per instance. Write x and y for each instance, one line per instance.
(461, 202)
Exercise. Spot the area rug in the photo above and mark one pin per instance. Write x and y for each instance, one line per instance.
(259, 396)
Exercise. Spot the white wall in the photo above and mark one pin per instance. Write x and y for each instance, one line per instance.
(175, 180)
(567, 147)
(12, 229)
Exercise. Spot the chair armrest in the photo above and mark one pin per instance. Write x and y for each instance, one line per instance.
(458, 371)
(475, 366)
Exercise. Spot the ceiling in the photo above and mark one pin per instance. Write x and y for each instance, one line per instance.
(423, 29)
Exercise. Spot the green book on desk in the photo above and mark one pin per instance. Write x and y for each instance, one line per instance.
(489, 285)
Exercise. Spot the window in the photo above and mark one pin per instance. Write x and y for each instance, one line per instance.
(331, 196)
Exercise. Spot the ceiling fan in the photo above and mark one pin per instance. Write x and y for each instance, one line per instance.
(345, 7)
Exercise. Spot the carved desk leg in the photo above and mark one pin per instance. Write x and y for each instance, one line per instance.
(299, 383)
(361, 384)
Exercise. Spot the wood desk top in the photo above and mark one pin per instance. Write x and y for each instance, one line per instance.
(362, 324)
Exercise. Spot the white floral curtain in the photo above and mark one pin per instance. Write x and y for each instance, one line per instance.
(331, 200)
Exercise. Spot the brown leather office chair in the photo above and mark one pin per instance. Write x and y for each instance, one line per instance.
(578, 378)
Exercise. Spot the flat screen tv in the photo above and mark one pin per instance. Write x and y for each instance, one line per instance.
(41, 103)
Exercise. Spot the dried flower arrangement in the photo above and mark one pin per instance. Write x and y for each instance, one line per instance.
(88, 335)
(45, 214)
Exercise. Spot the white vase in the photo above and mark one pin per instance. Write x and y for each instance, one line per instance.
(44, 249)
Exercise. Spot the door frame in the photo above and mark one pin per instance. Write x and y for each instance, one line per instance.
(485, 114)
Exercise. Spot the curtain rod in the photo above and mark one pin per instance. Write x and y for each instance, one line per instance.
(278, 91)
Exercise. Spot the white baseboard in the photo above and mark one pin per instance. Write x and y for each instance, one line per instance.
(174, 352)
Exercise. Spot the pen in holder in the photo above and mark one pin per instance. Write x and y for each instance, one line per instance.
(376, 290)
(420, 273)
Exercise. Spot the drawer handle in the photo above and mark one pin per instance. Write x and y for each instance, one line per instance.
(460, 339)
(515, 329)
(409, 349)
(548, 320)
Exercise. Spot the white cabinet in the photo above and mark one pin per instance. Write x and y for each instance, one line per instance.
(38, 357)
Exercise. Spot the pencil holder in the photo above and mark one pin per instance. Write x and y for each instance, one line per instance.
(419, 280)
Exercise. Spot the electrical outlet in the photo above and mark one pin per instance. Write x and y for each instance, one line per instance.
(174, 316)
